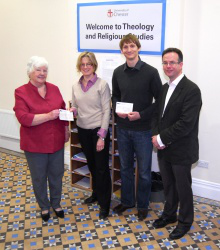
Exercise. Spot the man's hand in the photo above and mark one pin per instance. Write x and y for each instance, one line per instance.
(122, 115)
(155, 143)
(133, 116)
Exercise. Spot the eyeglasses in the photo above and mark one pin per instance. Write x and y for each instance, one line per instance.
(86, 65)
(170, 63)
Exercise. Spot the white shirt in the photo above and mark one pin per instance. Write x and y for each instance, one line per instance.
(172, 86)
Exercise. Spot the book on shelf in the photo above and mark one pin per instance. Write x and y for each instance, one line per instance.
(118, 182)
(116, 152)
(110, 162)
(117, 193)
(74, 130)
(84, 182)
(83, 170)
(80, 157)
(110, 148)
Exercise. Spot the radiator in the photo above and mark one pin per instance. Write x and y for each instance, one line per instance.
(9, 126)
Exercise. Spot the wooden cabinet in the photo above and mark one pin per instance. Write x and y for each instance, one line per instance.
(116, 177)
(80, 175)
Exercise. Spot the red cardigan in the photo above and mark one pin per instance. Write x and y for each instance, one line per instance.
(47, 137)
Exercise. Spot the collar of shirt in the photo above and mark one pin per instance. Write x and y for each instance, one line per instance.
(172, 86)
(90, 83)
(137, 65)
(176, 81)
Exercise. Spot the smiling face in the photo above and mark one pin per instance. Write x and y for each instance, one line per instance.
(171, 65)
(130, 51)
(38, 76)
(86, 67)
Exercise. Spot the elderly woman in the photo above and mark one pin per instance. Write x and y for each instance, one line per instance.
(91, 102)
(42, 134)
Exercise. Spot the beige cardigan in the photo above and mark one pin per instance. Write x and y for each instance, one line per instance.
(93, 106)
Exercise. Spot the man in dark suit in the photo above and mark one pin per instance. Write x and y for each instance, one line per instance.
(175, 135)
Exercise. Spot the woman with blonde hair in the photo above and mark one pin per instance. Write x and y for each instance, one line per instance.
(91, 101)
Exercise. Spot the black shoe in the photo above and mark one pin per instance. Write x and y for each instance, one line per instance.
(90, 199)
(59, 214)
(45, 217)
(163, 221)
(103, 213)
(119, 209)
(142, 214)
(178, 233)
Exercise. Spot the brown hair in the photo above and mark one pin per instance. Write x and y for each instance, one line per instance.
(129, 38)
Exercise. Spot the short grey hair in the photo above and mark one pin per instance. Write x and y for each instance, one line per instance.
(34, 62)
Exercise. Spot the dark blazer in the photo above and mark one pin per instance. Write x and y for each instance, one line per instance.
(178, 127)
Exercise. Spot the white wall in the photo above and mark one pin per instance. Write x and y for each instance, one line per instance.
(201, 42)
(31, 27)
(48, 28)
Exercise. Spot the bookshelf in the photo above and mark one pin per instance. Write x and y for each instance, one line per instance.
(80, 175)
(116, 177)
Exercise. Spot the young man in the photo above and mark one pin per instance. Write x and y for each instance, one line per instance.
(175, 135)
(138, 83)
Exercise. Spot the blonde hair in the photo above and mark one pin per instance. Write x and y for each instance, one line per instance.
(91, 57)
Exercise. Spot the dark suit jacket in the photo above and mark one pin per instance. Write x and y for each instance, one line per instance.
(178, 127)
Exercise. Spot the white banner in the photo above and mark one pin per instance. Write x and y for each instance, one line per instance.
(101, 26)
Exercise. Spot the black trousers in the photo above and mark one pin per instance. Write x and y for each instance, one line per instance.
(177, 181)
(98, 163)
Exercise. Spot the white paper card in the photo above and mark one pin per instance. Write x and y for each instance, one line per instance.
(66, 115)
(124, 107)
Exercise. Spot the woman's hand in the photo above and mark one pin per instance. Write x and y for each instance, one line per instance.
(100, 145)
(53, 114)
(74, 110)
(41, 118)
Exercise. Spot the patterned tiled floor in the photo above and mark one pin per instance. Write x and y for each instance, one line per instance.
(21, 226)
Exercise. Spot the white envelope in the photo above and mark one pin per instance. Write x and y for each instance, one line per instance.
(124, 107)
(66, 115)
